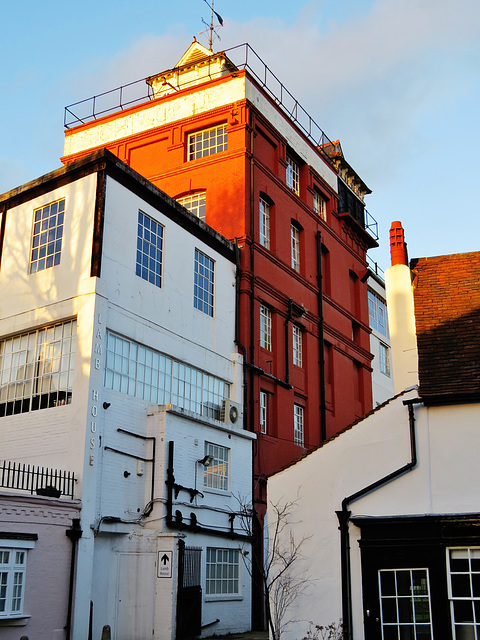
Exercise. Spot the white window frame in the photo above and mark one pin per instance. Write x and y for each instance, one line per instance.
(207, 142)
(195, 203)
(222, 572)
(298, 425)
(217, 474)
(47, 236)
(295, 247)
(293, 175)
(319, 205)
(466, 574)
(264, 230)
(37, 369)
(13, 577)
(384, 356)
(297, 344)
(265, 327)
(413, 598)
(263, 411)
(377, 313)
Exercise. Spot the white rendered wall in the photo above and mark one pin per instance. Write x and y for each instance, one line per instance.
(382, 384)
(445, 481)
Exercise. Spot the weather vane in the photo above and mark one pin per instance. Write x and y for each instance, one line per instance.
(211, 28)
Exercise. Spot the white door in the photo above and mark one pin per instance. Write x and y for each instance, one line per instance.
(135, 596)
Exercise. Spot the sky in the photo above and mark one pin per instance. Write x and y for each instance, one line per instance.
(397, 81)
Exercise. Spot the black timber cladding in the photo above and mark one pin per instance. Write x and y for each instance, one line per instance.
(105, 163)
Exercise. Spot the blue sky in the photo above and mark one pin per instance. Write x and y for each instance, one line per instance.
(397, 81)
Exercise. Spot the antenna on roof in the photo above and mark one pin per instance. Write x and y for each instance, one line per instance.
(211, 28)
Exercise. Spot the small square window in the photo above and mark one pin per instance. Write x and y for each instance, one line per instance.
(207, 142)
(47, 236)
(195, 204)
(149, 249)
(203, 283)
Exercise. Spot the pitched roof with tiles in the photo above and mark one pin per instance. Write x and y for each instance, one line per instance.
(447, 316)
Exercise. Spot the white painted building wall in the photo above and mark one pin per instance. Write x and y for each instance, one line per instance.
(445, 481)
(382, 377)
(114, 490)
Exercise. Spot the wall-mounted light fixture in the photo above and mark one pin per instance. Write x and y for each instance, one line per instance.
(206, 460)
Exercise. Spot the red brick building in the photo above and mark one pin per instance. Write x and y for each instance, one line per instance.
(222, 135)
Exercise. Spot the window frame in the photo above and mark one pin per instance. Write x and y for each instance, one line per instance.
(298, 425)
(217, 475)
(204, 283)
(225, 561)
(44, 247)
(37, 368)
(198, 208)
(264, 223)
(207, 142)
(149, 254)
(297, 345)
(265, 327)
(320, 205)
(292, 176)
(384, 358)
(7, 589)
(377, 313)
(263, 402)
(295, 262)
(454, 601)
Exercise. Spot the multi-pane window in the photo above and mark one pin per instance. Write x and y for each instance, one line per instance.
(149, 249)
(405, 608)
(215, 476)
(203, 283)
(207, 142)
(147, 374)
(298, 436)
(263, 411)
(320, 205)
(377, 310)
(264, 209)
(293, 175)
(295, 247)
(195, 204)
(297, 345)
(47, 236)
(384, 359)
(36, 369)
(265, 327)
(464, 592)
(222, 571)
(13, 564)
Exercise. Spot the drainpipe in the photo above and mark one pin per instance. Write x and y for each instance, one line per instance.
(252, 269)
(75, 533)
(344, 517)
(287, 353)
(321, 344)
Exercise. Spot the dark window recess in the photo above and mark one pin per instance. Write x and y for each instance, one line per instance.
(349, 203)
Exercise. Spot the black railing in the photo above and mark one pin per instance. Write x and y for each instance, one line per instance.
(373, 266)
(371, 225)
(242, 56)
(40, 480)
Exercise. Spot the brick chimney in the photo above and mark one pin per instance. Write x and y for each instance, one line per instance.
(401, 313)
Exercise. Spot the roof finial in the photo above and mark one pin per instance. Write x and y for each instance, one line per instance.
(211, 27)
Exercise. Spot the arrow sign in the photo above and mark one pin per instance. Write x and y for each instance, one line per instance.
(164, 564)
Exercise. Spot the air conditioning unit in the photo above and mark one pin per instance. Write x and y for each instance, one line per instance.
(230, 412)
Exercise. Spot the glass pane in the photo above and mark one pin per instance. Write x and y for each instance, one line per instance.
(461, 586)
(405, 612)
(420, 584)
(404, 583)
(464, 633)
(389, 610)
(407, 632)
(462, 611)
(424, 633)
(390, 633)
(422, 610)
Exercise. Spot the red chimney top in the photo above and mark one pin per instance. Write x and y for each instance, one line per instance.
(398, 246)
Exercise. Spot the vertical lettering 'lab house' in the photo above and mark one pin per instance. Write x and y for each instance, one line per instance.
(224, 137)
(120, 387)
